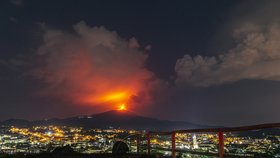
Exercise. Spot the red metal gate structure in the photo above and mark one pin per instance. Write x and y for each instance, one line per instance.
(219, 131)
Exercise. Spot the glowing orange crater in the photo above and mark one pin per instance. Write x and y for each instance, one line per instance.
(122, 107)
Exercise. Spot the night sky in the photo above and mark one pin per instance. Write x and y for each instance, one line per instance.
(209, 62)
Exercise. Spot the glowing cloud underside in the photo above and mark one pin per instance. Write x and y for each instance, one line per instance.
(94, 66)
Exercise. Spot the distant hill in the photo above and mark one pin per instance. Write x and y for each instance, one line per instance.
(116, 119)
(16, 122)
(260, 133)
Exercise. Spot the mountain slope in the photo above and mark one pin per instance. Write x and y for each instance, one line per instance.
(116, 119)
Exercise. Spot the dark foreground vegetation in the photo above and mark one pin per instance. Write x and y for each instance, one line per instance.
(51, 155)
(68, 152)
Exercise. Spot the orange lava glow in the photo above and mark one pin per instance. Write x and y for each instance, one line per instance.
(122, 107)
(116, 100)
(119, 96)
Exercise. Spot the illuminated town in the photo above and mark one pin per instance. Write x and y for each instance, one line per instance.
(40, 139)
(46, 138)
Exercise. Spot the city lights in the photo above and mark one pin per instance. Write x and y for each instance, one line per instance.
(37, 139)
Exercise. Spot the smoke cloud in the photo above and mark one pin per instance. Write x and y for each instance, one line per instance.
(94, 66)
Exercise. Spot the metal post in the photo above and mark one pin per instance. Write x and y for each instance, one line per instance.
(138, 143)
(221, 144)
(149, 143)
(173, 138)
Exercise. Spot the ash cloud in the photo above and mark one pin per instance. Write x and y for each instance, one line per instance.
(90, 62)
(255, 56)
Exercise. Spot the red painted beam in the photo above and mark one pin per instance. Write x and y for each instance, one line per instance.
(221, 144)
(173, 138)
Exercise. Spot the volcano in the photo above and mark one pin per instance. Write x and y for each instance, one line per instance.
(114, 118)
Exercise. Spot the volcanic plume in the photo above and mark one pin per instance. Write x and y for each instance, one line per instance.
(94, 66)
